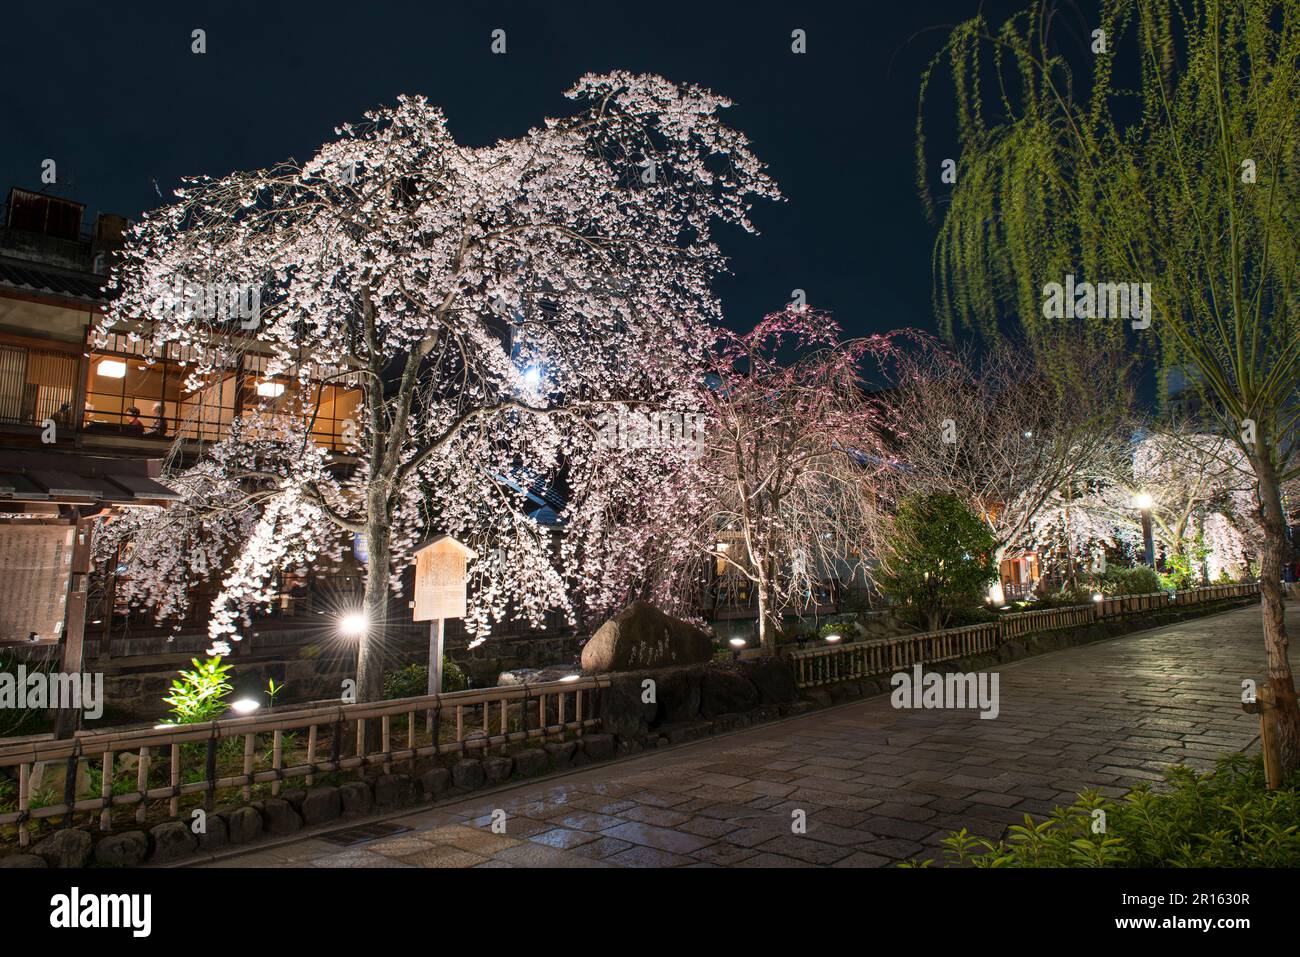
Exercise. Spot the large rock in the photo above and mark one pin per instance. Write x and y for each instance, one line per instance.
(23, 861)
(320, 805)
(216, 836)
(435, 782)
(531, 762)
(67, 848)
(641, 636)
(468, 774)
(244, 824)
(279, 817)
(122, 850)
(394, 790)
(622, 710)
(773, 678)
(724, 691)
(173, 841)
(357, 798)
(820, 697)
(561, 753)
(678, 691)
(598, 747)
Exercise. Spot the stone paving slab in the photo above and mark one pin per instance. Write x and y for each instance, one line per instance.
(877, 785)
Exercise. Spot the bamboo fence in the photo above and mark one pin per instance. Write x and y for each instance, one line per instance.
(573, 705)
(863, 659)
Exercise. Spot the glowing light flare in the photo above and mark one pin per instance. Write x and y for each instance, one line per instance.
(354, 624)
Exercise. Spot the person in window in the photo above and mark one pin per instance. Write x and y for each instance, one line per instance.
(159, 427)
(133, 423)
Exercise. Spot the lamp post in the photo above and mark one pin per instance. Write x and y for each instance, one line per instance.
(353, 624)
(1144, 502)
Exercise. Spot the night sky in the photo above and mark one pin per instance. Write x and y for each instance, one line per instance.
(114, 95)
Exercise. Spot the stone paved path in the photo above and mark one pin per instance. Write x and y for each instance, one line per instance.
(879, 785)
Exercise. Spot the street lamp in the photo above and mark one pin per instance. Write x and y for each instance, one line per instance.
(353, 624)
(1143, 501)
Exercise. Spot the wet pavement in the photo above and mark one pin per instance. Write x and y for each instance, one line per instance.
(876, 784)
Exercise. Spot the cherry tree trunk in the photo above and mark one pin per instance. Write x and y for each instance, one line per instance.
(766, 623)
(995, 594)
(370, 647)
(1273, 551)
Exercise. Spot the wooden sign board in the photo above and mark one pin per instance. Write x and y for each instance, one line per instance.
(35, 568)
(440, 578)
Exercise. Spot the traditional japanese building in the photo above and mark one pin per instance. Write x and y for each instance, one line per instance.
(115, 406)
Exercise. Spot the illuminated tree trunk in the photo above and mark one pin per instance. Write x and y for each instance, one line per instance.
(370, 647)
(765, 571)
(1271, 557)
(997, 597)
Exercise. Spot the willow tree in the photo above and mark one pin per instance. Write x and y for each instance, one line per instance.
(1163, 151)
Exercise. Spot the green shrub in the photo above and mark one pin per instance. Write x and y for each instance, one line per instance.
(938, 558)
(1225, 818)
(971, 615)
(1141, 580)
(1184, 566)
(413, 680)
(846, 626)
(200, 695)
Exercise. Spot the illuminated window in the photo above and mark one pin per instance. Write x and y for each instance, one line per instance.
(36, 384)
(136, 393)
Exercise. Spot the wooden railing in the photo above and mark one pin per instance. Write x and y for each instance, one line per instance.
(1046, 619)
(483, 718)
(1135, 604)
(862, 659)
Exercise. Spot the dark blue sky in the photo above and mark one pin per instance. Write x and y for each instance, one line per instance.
(112, 92)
